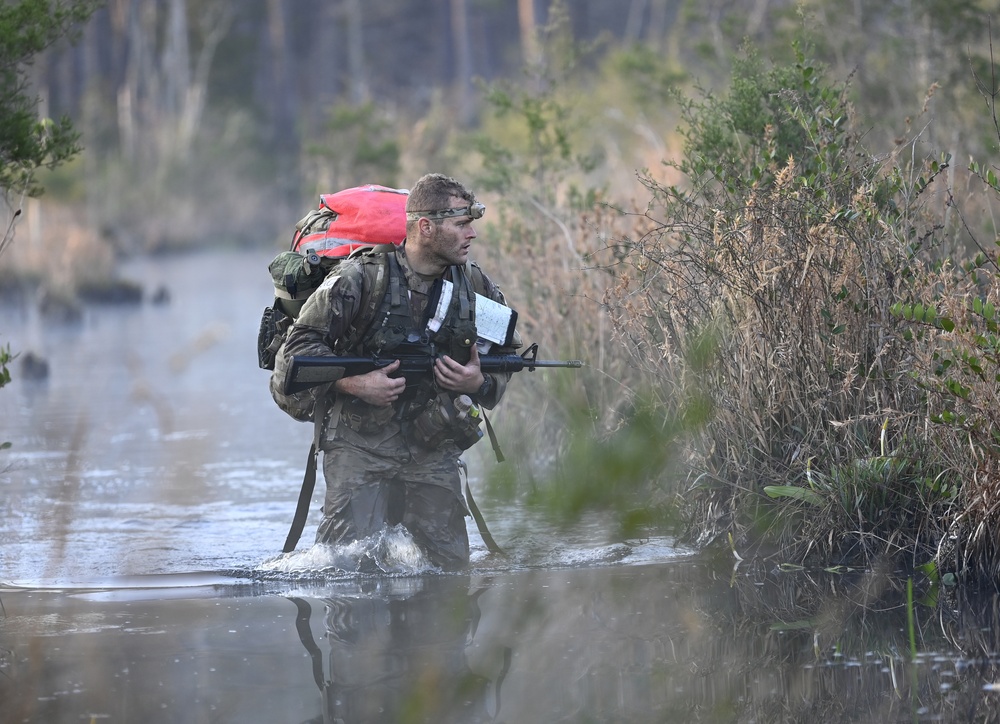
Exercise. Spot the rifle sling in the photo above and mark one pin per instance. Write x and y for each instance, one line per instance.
(302, 507)
(493, 437)
(309, 479)
(491, 544)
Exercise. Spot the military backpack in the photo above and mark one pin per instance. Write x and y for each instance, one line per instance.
(345, 224)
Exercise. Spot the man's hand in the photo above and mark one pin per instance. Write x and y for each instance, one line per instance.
(376, 387)
(450, 375)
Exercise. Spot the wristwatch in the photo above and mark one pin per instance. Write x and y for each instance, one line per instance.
(486, 388)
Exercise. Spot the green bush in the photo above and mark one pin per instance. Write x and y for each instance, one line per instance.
(786, 245)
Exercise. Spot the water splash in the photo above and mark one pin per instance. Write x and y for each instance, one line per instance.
(391, 551)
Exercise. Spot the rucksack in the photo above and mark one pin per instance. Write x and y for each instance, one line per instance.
(350, 222)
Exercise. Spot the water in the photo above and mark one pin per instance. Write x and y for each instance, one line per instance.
(148, 492)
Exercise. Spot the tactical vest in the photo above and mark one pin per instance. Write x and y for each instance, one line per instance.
(388, 325)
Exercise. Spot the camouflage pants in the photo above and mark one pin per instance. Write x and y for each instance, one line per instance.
(369, 489)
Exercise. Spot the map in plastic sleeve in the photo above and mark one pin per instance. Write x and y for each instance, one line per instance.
(494, 321)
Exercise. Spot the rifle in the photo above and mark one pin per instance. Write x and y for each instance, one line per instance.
(307, 371)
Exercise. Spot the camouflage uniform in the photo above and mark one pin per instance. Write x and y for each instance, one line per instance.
(375, 474)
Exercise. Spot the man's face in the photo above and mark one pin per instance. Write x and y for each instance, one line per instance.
(453, 237)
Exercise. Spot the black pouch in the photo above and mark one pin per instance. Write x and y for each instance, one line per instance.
(273, 326)
(458, 346)
(386, 340)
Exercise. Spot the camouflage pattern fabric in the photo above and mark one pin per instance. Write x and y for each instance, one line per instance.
(367, 489)
(374, 477)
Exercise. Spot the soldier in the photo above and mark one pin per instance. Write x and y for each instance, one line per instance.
(392, 445)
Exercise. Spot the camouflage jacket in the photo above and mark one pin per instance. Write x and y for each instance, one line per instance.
(332, 322)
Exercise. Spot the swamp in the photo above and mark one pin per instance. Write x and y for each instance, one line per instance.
(768, 229)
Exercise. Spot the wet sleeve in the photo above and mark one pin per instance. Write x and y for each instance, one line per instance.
(321, 328)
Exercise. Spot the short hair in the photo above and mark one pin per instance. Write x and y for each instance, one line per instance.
(433, 191)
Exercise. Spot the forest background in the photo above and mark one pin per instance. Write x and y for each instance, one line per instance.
(765, 225)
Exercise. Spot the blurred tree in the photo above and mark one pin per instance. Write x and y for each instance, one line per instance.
(463, 59)
(28, 142)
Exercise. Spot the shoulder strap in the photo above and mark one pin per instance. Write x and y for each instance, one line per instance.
(377, 271)
(475, 275)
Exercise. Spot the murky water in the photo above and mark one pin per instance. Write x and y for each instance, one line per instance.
(148, 492)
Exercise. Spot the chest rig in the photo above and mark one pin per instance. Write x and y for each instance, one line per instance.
(407, 322)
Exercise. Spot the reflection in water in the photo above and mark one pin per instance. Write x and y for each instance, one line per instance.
(678, 642)
(398, 659)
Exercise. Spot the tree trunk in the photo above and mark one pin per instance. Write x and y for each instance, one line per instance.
(324, 60)
(176, 63)
(463, 64)
(282, 95)
(139, 85)
(356, 53)
(528, 25)
(215, 21)
(282, 100)
(634, 20)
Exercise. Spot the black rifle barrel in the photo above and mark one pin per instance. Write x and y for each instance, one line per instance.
(307, 371)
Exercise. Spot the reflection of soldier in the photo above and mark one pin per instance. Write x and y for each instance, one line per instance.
(401, 659)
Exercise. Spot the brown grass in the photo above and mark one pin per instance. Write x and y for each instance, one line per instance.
(56, 251)
(782, 313)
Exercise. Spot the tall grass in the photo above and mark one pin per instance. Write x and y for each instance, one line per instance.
(768, 279)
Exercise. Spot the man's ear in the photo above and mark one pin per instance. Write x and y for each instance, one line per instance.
(426, 226)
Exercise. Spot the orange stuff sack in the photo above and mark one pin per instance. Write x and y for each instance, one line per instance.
(352, 218)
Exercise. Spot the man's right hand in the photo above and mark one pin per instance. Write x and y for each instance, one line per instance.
(376, 388)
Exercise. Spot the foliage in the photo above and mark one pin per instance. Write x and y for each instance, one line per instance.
(359, 146)
(952, 327)
(897, 52)
(540, 181)
(28, 27)
(788, 240)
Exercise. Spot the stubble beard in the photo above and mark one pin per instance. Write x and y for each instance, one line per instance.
(448, 248)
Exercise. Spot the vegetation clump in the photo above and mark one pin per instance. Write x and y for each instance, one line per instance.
(794, 280)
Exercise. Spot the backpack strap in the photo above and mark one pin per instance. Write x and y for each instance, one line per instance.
(378, 277)
(309, 479)
(371, 298)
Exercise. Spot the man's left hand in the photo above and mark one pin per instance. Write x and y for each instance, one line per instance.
(450, 375)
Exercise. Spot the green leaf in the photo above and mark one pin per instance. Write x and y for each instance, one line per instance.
(793, 491)
(790, 567)
(793, 625)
